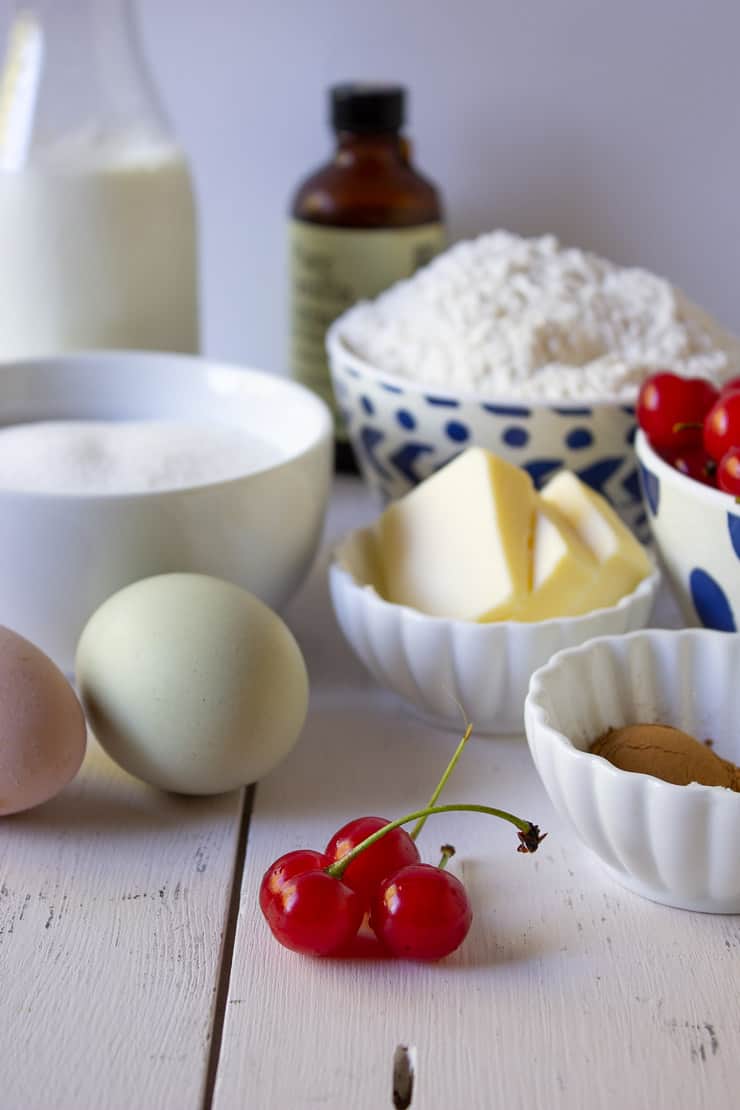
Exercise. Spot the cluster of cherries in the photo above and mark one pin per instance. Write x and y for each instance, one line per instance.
(694, 427)
(316, 902)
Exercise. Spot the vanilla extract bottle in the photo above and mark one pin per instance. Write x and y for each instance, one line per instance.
(364, 220)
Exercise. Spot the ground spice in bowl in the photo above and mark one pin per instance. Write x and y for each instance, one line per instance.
(666, 753)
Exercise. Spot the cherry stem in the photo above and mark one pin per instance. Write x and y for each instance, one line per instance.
(443, 781)
(529, 834)
(686, 426)
(447, 853)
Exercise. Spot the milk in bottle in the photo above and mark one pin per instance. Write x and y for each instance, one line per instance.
(97, 219)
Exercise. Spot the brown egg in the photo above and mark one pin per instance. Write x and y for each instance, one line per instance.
(42, 726)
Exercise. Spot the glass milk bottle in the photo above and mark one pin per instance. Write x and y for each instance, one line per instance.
(97, 219)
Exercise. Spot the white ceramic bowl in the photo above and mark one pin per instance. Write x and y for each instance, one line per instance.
(672, 844)
(437, 665)
(61, 555)
(697, 532)
(402, 431)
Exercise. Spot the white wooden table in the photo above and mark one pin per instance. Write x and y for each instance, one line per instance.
(136, 972)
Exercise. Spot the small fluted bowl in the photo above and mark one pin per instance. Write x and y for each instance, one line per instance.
(673, 844)
(437, 665)
(697, 532)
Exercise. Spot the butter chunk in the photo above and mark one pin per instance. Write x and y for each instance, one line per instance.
(459, 544)
(623, 562)
(563, 569)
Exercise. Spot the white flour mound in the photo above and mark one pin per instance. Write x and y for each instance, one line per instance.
(505, 316)
(115, 457)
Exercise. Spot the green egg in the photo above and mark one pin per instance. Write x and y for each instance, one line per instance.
(191, 683)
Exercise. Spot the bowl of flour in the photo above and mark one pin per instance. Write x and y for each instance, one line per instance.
(116, 466)
(534, 350)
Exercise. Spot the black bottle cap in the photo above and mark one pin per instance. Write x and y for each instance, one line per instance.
(367, 107)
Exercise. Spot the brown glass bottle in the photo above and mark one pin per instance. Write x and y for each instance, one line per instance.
(365, 219)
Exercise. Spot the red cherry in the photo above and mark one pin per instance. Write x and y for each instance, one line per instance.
(722, 425)
(728, 472)
(365, 874)
(730, 386)
(421, 913)
(694, 462)
(307, 910)
(285, 869)
(667, 401)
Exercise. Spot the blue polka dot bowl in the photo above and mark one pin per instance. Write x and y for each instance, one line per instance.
(402, 431)
(697, 533)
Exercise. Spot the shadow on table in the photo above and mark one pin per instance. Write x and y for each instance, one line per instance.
(105, 801)
(481, 948)
(353, 760)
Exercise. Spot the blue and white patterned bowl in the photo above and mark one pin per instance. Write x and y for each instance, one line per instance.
(402, 431)
(697, 532)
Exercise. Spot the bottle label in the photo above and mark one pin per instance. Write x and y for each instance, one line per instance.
(331, 268)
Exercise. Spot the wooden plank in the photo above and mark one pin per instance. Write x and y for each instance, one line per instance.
(569, 991)
(113, 899)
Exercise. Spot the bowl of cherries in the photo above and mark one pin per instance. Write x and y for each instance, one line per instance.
(688, 447)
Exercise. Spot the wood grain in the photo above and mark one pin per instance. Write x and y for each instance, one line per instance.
(113, 899)
(569, 991)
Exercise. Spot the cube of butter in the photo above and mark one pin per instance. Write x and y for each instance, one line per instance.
(563, 569)
(623, 562)
(459, 544)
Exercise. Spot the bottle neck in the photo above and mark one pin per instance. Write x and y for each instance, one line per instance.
(379, 147)
(119, 58)
(93, 77)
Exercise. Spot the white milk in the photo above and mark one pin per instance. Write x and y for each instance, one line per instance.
(98, 249)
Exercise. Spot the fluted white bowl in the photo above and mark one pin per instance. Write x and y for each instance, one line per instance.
(437, 665)
(673, 844)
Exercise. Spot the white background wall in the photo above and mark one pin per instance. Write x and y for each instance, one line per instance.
(615, 125)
